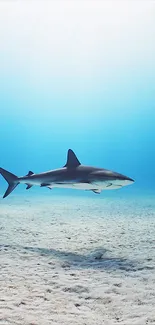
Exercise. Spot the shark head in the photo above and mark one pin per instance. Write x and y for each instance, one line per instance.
(101, 178)
(108, 179)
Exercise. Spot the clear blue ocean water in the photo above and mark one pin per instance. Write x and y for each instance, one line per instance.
(77, 79)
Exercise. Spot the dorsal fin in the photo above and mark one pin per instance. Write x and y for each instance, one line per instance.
(30, 173)
(72, 161)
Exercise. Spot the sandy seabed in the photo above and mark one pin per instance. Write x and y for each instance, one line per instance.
(84, 261)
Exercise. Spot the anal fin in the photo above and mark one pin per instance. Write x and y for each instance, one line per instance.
(28, 186)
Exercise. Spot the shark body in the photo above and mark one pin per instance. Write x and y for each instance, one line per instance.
(72, 175)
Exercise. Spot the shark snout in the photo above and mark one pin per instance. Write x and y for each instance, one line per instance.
(124, 180)
(129, 181)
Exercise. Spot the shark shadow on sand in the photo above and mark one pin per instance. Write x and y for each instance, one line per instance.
(98, 259)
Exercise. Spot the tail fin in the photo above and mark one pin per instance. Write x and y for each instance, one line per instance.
(11, 179)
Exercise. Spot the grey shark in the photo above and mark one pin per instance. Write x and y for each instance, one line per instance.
(72, 175)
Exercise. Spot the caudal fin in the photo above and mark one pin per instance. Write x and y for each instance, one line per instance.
(11, 179)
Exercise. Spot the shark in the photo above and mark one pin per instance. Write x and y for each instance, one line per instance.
(72, 175)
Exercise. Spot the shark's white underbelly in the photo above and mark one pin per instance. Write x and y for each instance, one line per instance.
(82, 186)
(86, 186)
(77, 185)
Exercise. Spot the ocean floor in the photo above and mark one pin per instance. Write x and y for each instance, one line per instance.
(85, 261)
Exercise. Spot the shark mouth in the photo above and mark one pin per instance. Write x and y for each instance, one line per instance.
(110, 184)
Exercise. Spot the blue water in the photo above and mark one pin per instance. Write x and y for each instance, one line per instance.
(54, 100)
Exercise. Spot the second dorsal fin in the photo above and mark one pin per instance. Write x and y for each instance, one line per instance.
(30, 173)
(72, 161)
